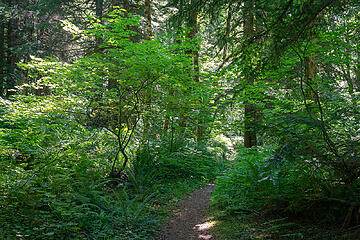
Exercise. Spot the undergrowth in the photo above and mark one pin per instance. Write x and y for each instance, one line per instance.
(56, 186)
(266, 196)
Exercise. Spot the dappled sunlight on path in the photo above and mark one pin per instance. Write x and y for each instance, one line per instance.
(190, 222)
(203, 230)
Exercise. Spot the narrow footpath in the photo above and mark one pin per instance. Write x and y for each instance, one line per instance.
(189, 221)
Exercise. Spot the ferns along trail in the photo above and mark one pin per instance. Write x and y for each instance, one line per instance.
(180, 119)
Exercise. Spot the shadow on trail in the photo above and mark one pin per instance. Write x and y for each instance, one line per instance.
(190, 221)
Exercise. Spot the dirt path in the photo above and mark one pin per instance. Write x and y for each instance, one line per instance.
(190, 222)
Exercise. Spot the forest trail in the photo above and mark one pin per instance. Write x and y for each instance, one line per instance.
(189, 222)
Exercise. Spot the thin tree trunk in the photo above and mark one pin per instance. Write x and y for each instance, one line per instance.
(149, 32)
(169, 108)
(182, 117)
(148, 95)
(357, 74)
(193, 30)
(310, 74)
(349, 81)
(180, 18)
(2, 57)
(194, 54)
(250, 111)
(126, 5)
(165, 125)
(99, 9)
(227, 31)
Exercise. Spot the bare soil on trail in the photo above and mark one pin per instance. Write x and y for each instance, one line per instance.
(189, 221)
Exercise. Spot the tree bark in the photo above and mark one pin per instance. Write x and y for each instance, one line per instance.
(310, 74)
(99, 9)
(227, 31)
(192, 24)
(147, 94)
(250, 109)
(126, 5)
(182, 117)
(12, 42)
(357, 74)
(149, 32)
(2, 57)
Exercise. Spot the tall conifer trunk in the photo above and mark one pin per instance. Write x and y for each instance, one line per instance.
(12, 42)
(193, 30)
(227, 31)
(192, 24)
(250, 111)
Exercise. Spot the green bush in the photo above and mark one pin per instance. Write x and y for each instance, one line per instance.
(271, 181)
(242, 186)
(192, 160)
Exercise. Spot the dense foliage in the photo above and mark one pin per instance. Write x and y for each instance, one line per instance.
(110, 111)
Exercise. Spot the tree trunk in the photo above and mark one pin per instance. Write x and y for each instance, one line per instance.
(99, 9)
(250, 138)
(147, 94)
(250, 111)
(310, 74)
(12, 42)
(182, 117)
(227, 31)
(194, 53)
(165, 125)
(357, 79)
(126, 5)
(349, 81)
(192, 24)
(148, 19)
(2, 57)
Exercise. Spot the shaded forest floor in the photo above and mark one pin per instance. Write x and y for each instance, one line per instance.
(253, 226)
(197, 218)
(189, 222)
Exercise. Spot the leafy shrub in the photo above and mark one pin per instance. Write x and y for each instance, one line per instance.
(241, 187)
(277, 181)
(191, 160)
